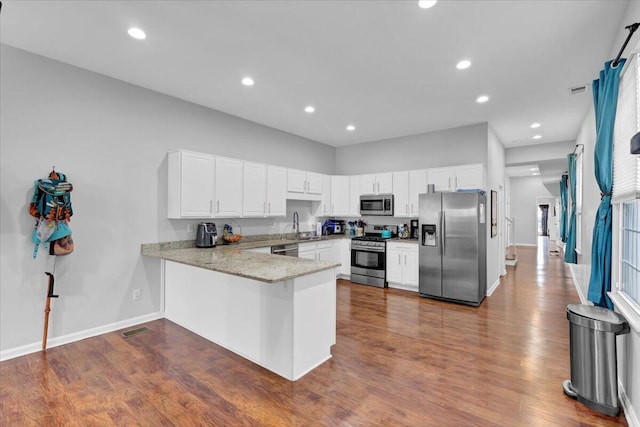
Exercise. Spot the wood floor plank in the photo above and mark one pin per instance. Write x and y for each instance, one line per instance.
(399, 360)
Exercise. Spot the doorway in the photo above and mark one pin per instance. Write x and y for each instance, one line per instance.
(543, 220)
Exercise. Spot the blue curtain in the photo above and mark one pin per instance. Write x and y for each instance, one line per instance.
(605, 99)
(570, 247)
(563, 211)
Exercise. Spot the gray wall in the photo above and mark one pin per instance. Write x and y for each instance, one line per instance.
(524, 191)
(111, 139)
(495, 181)
(448, 147)
(539, 152)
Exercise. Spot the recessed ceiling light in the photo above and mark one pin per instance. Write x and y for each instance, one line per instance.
(248, 81)
(137, 33)
(465, 63)
(535, 125)
(351, 128)
(537, 136)
(534, 169)
(309, 109)
(426, 4)
(482, 99)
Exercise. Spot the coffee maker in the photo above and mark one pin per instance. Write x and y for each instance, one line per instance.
(414, 229)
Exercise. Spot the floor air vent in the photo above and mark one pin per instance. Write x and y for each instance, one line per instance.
(134, 332)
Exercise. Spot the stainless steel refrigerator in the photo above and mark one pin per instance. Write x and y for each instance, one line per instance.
(452, 242)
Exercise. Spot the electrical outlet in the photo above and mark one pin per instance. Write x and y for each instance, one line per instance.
(136, 294)
(190, 228)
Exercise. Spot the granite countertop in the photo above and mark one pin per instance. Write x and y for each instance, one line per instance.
(234, 259)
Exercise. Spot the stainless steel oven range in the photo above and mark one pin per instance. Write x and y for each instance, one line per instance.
(369, 253)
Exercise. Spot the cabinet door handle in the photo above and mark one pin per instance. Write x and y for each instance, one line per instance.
(378, 187)
(407, 207)
(332, 208)
(210, 206)
(411, 207)
(405, 259)
(456, 181)
(399, 260)
(218, 206)
(269, 207)
(449, 182)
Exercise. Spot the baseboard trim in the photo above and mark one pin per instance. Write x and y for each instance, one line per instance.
(493, 287)
(533, 245)
(583, 298)
(629, 412)
(77, 336)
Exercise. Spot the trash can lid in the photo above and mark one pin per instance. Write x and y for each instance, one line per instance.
(599, 318)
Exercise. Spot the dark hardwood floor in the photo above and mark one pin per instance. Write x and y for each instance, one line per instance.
(399, 360)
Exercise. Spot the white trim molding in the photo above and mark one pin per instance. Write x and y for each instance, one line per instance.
(493, 287)
(583, 297)
(77, 336)
(629, 412)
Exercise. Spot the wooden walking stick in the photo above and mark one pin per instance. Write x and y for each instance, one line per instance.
(47, 309)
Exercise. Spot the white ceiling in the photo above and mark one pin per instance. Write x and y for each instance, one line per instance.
(386, 66)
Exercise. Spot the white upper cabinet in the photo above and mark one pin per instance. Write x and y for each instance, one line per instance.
(470, 177)
(462, 177)
(296, 181)
(265, 190)
(191, 178)
(354, 195)
(255, 190)
(401, 194)
(407, 185)
(276, 191)
(304, 185)
(376, 184)
(339, 195)
(228, 185)
(441, 178)
(417, 186)
(324, 207)
(314, 183)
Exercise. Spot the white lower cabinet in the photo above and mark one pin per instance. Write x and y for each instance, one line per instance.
(318, 251)
(402, 265)
(342, 254)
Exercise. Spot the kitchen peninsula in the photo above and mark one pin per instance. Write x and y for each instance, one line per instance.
(278, 312)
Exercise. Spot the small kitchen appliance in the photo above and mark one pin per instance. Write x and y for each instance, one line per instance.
(333, 226)
(414, 229)
(369, 253)
(206, 235)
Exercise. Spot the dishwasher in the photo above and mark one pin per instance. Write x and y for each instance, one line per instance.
(286, 250)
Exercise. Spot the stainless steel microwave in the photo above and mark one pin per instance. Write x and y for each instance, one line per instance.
(376, 204)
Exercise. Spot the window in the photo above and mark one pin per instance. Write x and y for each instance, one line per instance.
(626, 196)
(629, 283)
(579, 155)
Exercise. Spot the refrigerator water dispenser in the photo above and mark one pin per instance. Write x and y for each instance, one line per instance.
(428, 234)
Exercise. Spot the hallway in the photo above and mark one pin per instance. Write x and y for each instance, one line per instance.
(400, 360)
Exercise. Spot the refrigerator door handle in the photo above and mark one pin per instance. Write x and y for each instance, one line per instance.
(443, 228)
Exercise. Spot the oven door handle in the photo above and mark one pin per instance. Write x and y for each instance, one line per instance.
(367, 249)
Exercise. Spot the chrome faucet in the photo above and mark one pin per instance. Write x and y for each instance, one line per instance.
(296, 224)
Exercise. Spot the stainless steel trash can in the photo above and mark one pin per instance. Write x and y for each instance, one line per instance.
(594, 373)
